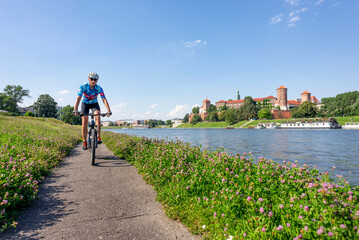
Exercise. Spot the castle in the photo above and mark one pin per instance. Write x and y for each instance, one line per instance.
(280, 105)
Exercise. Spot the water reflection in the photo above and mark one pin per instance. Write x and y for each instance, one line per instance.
(322, 148)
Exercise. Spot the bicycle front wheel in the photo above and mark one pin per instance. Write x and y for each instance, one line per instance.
(93, 146)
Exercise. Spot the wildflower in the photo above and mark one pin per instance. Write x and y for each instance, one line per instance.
(204, 226)
(249, 199)
(225, 229)
(306, 208)
(300, 217)
(270, 214)
(319, 231)
(263, 230)
(281, 206)
(261, 210)
(306, 228)
(343, 226)
(215, 215)
(244, 234)
(288, 225)
(230, 237)
(279, 228)
(330, 234)
(260, 199)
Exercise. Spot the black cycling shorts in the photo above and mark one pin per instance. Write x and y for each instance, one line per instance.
(85, 108)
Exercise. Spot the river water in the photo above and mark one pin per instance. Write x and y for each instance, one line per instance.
(321, 148)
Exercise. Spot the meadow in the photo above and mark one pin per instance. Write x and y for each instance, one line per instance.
(222, 196)
(30, 148)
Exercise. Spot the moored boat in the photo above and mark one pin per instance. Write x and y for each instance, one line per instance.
(331, 123)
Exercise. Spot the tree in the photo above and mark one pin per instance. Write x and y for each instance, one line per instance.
(45, 106)
(307, 109)
(186, 118)
(66, 115)
(196, 118)
(222, 115)
(248, 109)
(16, 93)
(230, 116)
(6, 103)
(169, 123)
(213, 117)
(29, 114)
(195, 110)
(264, 113)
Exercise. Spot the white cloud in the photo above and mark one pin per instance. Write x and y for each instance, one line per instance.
(319, 2)
(179, 111)
(195, 43)
(336, 4)
(120, 105)
(293, 2)
(294, 19)
(154, 105)
(276, 19)
(63, 92)
(291, 25)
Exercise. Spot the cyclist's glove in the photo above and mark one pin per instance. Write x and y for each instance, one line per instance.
(110, 113)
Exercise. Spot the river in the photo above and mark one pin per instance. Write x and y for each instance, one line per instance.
(321, 148)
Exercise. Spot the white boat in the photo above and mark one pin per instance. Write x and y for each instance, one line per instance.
(267, 125)
(351, 125)
(331, 123)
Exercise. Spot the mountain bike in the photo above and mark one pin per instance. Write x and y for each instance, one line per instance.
(92, 136)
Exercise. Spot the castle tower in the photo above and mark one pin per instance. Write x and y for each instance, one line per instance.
(206, 104)
(305, 96)
(282, 98)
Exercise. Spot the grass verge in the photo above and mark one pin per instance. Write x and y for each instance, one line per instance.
(225, 196)
(30, 148)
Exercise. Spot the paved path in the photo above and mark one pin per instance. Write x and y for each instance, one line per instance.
(106, 201)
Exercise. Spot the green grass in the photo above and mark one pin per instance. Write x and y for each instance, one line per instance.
(224, 196)
(343, 120)
(30, 148)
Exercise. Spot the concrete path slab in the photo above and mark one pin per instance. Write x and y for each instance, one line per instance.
(107, 201)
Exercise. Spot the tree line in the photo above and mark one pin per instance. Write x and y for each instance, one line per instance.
(345, 104)
(45, 106)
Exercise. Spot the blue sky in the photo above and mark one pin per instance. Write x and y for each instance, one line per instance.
(157, 59)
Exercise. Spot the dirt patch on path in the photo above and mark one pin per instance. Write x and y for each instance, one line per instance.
(107, 201)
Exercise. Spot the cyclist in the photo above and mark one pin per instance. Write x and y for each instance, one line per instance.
(88, 92)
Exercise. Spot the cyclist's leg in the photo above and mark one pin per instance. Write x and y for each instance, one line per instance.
(84, 111)
(96, 109)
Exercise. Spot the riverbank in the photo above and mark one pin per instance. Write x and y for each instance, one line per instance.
(30, 148)
(252, 124)
(221, 195)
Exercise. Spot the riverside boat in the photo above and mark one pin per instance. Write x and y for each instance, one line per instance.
(269, 125)
(351, 125)
(331, 123)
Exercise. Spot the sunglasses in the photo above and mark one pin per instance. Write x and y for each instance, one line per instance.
(93, 79)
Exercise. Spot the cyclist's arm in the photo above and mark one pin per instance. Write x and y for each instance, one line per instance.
(78, 99)
(106, 104)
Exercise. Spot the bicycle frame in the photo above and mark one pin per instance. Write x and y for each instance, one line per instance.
(92, 136)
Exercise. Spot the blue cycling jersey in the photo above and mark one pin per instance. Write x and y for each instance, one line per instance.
(90, 94)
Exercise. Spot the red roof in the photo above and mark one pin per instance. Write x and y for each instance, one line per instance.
(293, 102)
(306, 92)
(206, 100)
(281, 87)
(314, 99)
(221, 101)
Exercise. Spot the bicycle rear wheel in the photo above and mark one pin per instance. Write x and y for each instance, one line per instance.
(93, 146)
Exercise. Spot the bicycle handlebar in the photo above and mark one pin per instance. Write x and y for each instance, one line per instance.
(97, 114)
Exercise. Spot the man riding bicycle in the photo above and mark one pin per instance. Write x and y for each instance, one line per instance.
(88, 92)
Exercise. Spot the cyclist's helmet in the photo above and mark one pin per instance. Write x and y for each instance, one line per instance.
(93, 75)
